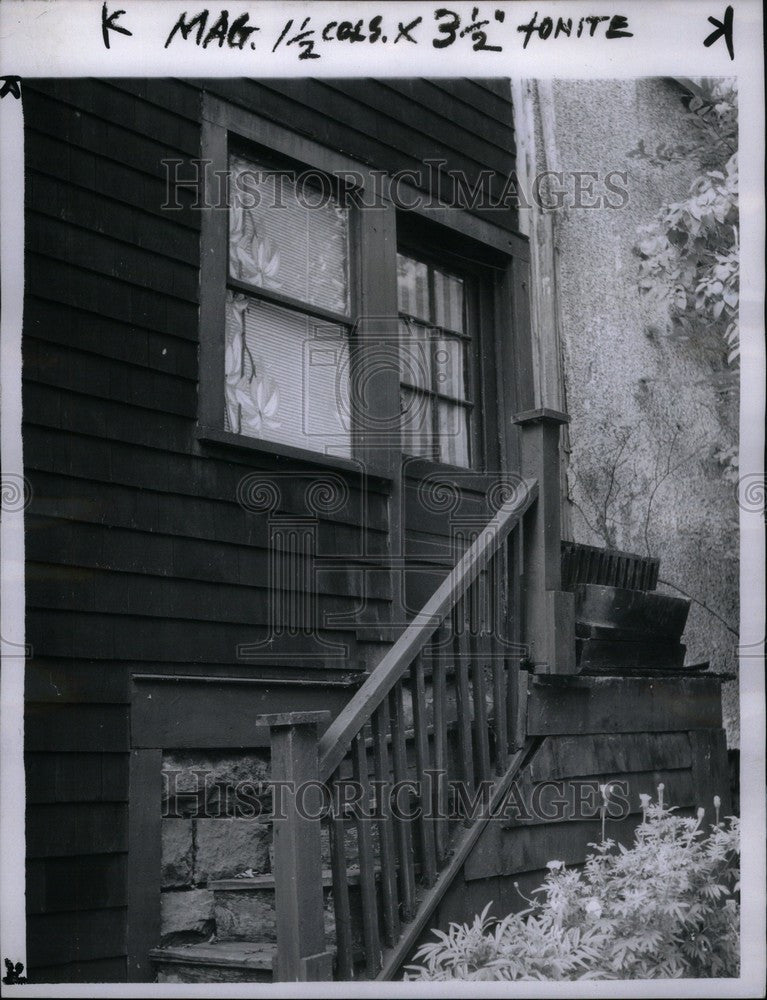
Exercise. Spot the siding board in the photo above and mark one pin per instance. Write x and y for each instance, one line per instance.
(78, 727)
(53, 280)
(135, 638)
(84, 935)
(153, 119)
(184, 596)
(107, 255)
(431, 95)
(60, 885)
(207, 478)
(121, 183)
(192, 518)
(109, 338)
(421, 135)
(106, 136)
(67, 830)
(101, 970)
(86, 209)
(76, 776)
(139, 556)
(479, 98)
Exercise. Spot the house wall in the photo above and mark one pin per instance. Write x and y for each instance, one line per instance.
(139, 557)
(646, 415)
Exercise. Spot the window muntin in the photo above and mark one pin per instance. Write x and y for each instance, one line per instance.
(435, 388)
(288, 310)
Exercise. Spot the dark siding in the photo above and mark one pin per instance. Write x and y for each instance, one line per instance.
(509, 860)
(397, 125)
(139, 556)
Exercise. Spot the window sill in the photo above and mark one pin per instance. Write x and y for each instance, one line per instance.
(417, 467)
(313, 460)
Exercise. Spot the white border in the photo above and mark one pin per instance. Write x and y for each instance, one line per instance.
(12, 792)
(63, 38)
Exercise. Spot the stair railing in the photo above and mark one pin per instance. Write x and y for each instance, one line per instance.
(439, 707)
(437, 721)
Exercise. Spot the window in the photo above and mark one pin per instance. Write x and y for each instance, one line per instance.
(288, 308)
(338, 328)
(436, 360)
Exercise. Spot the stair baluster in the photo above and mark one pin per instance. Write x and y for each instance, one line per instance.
(341, 905)
(463, 696)
(382, 771)
(423, 763)
(429, 692)
(478, 660)
(440, 726)
(366, 860)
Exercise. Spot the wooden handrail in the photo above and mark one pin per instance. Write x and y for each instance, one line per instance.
(337, 739)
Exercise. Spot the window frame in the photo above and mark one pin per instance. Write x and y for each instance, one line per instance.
(288, 303)
(472, 338)
(225, 131)
(375, 236)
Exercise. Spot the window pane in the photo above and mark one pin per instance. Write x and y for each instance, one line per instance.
(416, 345)
(448, 301)
(294, 240)
(453, 429)
(449, 367)
(287, 377)
(416, 410)
(413, 287)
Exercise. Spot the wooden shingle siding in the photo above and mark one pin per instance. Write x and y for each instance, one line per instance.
(139, 556)
(74, 777)
(91, 934)
(510, 859)
(376, 122)
(112, 338)
(104, 970)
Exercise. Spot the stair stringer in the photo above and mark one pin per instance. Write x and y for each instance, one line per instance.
(393, 958)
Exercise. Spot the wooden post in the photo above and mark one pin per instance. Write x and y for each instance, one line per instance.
(301, 952)
(144, 860)
(549, 612)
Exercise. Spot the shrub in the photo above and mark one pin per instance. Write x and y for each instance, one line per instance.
(666, 908)
(690, 252)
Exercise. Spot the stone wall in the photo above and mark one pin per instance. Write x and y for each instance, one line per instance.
(213, 827)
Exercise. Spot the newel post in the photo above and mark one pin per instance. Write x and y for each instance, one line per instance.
(549, 611)
(302, 955)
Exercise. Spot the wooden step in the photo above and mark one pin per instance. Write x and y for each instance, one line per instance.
(215, 962)
(628, 614)
(615, 658)
(244, 909)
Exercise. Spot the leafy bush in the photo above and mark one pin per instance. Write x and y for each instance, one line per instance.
(666, 908)
(690, 252)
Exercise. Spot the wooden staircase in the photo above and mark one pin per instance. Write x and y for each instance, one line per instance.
(243, 946)
(441, 707)
(440, 722)
(457, 707)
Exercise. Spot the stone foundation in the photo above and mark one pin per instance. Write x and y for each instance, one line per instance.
(214, 826)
